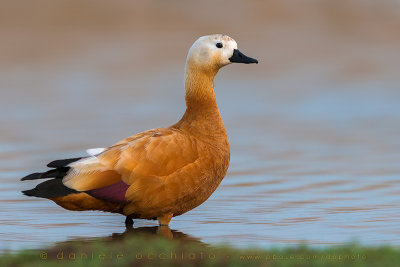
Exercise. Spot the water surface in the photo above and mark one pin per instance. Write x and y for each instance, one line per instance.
(314, 131)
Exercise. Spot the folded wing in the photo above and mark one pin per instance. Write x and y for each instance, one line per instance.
(142, 168)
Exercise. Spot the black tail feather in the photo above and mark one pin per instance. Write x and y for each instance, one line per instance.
(62, 162)
(61, 169)
(50, 189)
(56, 173)
(32, 176)
(53, 187)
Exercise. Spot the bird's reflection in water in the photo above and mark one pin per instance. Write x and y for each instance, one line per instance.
(161, 231)
(146, 232)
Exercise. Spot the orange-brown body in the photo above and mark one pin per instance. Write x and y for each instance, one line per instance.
(159, 173)
(169, 170)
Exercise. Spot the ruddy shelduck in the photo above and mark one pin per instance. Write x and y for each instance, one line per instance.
(159, 173)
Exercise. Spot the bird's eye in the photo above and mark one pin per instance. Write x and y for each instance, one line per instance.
(219, 45)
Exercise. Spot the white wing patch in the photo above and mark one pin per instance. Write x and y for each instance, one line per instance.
(92, 160)
(95, 151)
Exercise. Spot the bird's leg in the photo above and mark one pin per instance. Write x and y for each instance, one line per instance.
(129, 221)
(165, 231)
(164, 219)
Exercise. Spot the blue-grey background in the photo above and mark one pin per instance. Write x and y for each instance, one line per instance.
(314, 128)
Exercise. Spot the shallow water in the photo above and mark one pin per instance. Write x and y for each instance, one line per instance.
(323, 169)
(314, 139)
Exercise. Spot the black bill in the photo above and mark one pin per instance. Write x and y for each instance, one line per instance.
(239, 57)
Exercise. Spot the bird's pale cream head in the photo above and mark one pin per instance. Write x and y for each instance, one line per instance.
(215, 51)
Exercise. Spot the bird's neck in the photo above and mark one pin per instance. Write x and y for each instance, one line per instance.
(202, 114)
(199, 87)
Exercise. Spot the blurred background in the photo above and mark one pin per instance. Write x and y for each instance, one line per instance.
(314, 127)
